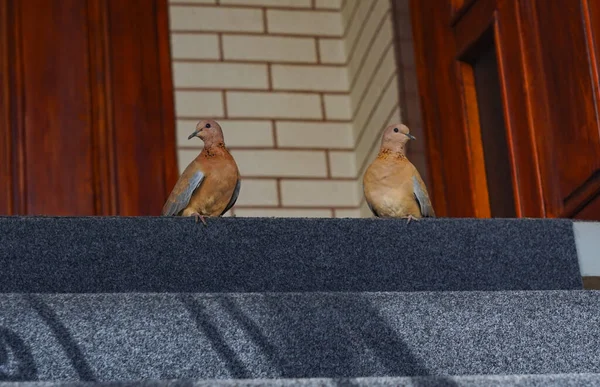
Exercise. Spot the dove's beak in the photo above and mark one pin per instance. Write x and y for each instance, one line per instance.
(411, 136)
(193, 134)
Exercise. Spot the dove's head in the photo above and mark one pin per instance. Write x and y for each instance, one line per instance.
(208, 131)
(395, 137)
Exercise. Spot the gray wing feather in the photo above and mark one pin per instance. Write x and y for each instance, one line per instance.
(422, 199)
(179, 201)
(234, 196)
(369, 204)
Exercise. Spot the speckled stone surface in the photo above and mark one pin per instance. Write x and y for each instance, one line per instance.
(166, 254)
(127, 337)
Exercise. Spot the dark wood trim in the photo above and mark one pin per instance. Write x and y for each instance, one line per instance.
(537, 104)
(591, 283)
(103, 136)
(474, 144)
(171, 172)
(12, 148)
(6, 191)
(458, 8)
(525, 166)
(100, 136)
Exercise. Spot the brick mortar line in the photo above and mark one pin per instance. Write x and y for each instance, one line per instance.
(351, 19)
(370, 81)
(370, 46)
(224, 97)
(242, 118)
(221, 50)
(327, 164)
(265, 20)
(296, 207)
(264, 91)
(274, 134)
(252, 7)
(279, 62)
(360, 31)
(269, 78)
(279, 196)
(384, 89)
(315, 64)
(343, 4)
(256, 33)
(300, 178)
(272, 148)
(317, 52)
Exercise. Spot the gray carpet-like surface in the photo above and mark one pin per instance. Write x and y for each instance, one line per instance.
(120, 337)
(561, 380)
(165, 254)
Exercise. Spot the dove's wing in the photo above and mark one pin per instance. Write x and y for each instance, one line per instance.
(420, 192)
(182, 192)
(234, 196)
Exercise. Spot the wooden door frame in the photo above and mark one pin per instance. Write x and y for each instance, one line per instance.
(455, 31)
(106, 160)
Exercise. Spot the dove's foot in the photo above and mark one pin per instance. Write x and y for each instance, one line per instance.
(199, 217)
(410, 217)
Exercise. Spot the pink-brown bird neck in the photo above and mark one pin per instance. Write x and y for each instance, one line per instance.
(393, 148)
(213, 149)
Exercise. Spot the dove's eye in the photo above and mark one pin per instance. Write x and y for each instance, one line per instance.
(207, 126)
(396, 130)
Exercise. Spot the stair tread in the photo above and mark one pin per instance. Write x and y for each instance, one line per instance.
(550, 380)
(174, 254)
(297, 335)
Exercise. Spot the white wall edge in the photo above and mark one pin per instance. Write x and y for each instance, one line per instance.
(587, 242)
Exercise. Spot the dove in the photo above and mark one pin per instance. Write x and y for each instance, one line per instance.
(210, 184)
(391, 184)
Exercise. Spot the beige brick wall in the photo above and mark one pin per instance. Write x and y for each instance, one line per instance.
(302, 89)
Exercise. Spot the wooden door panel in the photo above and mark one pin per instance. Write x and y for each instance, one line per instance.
(140, 107)
(87, 107)
(56, 93)
(570, 88)
(449, 164)
(10, 110)
(526, 173)
(543, 65)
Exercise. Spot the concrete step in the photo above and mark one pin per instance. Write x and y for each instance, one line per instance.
(128, 337)
(167, 254)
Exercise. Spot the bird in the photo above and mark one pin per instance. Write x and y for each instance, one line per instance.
(392, 186)
(209, 186)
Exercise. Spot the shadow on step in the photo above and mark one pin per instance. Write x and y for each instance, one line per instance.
(63, 336)
(17, 362)
(325, 348)
(24, 368)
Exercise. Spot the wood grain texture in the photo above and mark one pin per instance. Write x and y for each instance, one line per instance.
(570, 86)
(6, 170)
(86, 107)
(526, 174)
(591, 283)
(103, 128)
(56, 88)
(11, 107)
(474, 146)
(137, 106)
(550, 90)
(432, 49)
(538, 106)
